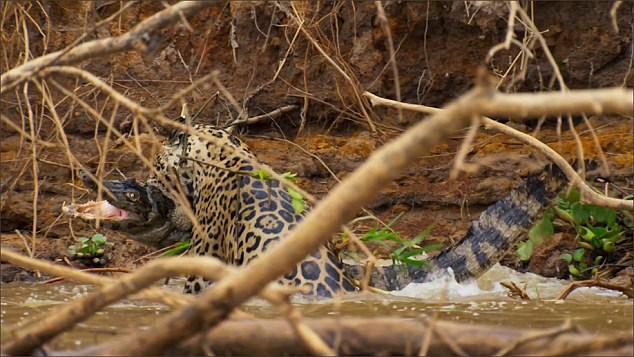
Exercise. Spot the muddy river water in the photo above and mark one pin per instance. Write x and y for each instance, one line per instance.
(483, 301)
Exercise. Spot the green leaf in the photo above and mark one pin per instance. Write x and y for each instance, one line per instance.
(561, 202)
(83, 239)
(262, 175)
(611, 218)
(99, 239)
(414, 262)
(290, 176)
(585, 233)
(600, 214)
(566, 258)
(585, 245)
(85, 249)
(597, 260)
(573, 270)
(180, 248)
(389, 225)
(596, 242)
(580, 213)
(565, 215)
(298, 205)
(294, 194)
(578, 254)
(573, 196)
(419, 238)
(598, 231)
(613, 232)
(541, 231)
(525, 250)
(609, 246)
(408, 253)
(429, 248)
(549, 213)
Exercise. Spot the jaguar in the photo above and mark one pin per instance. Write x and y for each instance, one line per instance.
(241, 215)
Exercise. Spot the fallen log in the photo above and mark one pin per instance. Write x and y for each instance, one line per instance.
(393, 336)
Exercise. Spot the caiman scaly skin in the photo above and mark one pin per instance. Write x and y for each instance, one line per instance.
(498, 229)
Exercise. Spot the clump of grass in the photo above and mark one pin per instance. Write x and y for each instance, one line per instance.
(406, 250)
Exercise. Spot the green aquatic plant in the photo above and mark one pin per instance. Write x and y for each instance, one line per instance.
(88, 247)
(177, 249)
(91, 251)
(406, 250)
(598, 231)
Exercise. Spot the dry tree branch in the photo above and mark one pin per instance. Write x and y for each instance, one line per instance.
(597, 101)
(353, 237)
(270, 115)
(120, 98)
(510, 33)
(31, 337)
(133, 39)
(25, 134)
(313, 342)
(277, 296)
(564, 88)
(391, 336)
(613, 10)
(332, 62)
(626, 290)
(388, 34)
(164, 296)
(34, 166)
(565, 327)
(530, 26)
(459, 163)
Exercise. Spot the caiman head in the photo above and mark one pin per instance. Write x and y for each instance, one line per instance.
(142, 211)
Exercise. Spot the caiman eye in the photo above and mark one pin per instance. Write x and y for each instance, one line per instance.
(133, 196)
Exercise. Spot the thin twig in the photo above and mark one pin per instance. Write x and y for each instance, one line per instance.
(588, 101)
(31, 337)
(102, 47)
(628, 291)
(388, 34)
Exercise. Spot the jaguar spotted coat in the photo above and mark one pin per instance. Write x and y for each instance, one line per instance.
(240, 215)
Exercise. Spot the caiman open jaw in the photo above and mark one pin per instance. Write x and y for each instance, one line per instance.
(93, 210)
(142, 211)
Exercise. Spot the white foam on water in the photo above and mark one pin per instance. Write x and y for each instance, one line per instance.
(488, 287)
(445, 288)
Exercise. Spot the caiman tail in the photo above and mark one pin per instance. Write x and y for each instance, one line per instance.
(499, 228)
